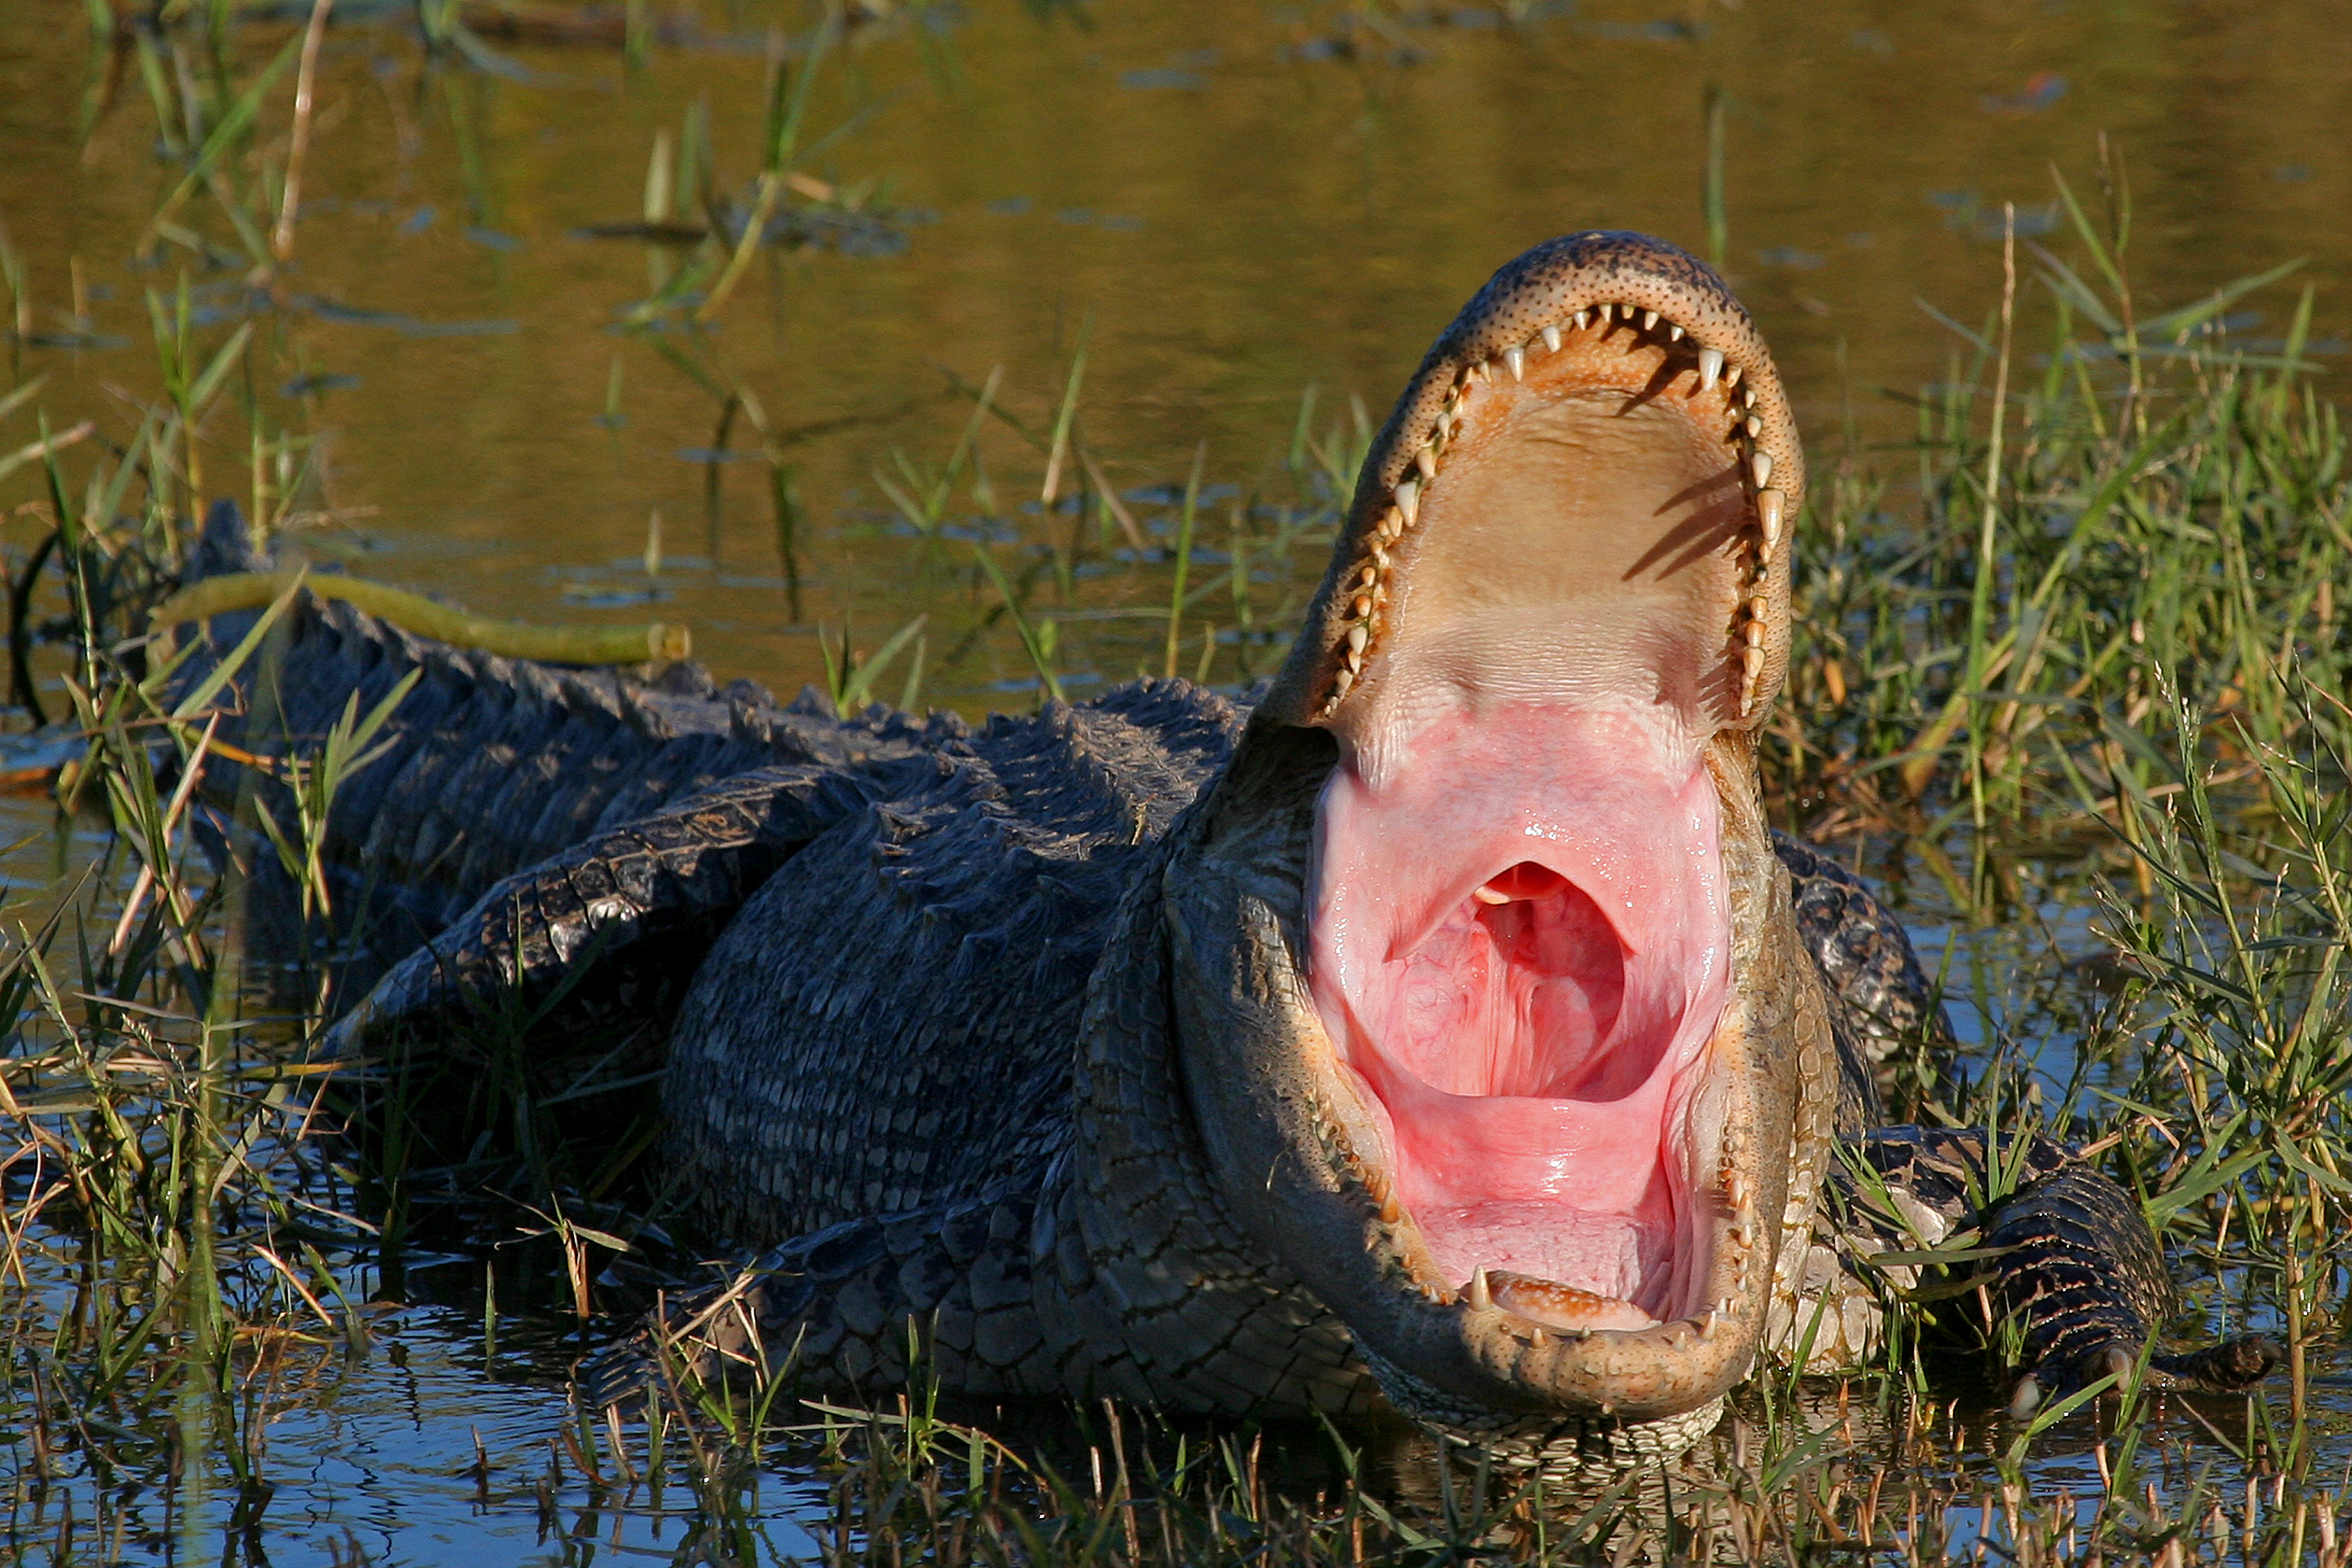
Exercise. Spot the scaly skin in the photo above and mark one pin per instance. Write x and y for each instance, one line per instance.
(1005, 1034)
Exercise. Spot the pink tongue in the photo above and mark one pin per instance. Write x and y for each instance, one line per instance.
(1520, 940)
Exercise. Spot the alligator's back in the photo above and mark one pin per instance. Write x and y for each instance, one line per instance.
(881, 928)
(890, 1020)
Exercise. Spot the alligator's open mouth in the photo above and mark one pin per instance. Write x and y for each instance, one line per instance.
(1529, 1120)
(1522, 936)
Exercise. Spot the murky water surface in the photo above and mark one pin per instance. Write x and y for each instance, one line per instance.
(1229, 211)
(1229, 208)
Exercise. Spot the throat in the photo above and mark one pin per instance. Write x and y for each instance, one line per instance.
(1520, 948)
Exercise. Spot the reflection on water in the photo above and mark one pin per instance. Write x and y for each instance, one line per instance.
(1222, 206)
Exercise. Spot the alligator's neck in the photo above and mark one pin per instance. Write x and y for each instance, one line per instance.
(1146, 1273)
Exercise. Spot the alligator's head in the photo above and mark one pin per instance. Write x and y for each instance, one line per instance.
(1488, 998)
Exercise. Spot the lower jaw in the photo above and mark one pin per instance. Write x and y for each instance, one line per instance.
(1567, 1268)
(1547, 1190)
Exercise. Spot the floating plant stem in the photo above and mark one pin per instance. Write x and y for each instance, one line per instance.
(211, 597)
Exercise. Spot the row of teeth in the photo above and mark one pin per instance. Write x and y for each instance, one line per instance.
(1477, 1293)
(1366, 588)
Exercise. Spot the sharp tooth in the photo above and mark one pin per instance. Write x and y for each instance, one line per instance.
(1732, 375)
(1674, 333)
(1478, 1294)
(1763, 466)
(1760, 607)
(1341, 681)
(1426, 461)
(1361, 607)
(1390, 1210)
(1358, 635)
(1768, 512)
(1649, 320)
(1584, 319)
(1516, 359)
(1747, 397)
(1755, 426)
(1551, 339)
(1537, 1338)
(1488, 896)
(1753, 632)
(1752, 662)
(1408, 499)
(1710, 368)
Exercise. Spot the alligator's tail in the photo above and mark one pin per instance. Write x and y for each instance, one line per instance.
(486, 765)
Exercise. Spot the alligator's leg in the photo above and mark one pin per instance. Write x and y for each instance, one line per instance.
(2078, 1270)
(570, 940)
(967, 1292)
(2071, 1259)
(862, 1304)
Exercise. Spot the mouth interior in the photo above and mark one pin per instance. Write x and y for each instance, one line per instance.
(1521, 948)
(1521, 940)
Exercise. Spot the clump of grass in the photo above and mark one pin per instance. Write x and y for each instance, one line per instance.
(2101, 644)
(1815, 1473)
(168, 1221)
(2157, 493)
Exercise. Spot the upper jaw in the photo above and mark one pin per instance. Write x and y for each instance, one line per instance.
(1632, 291)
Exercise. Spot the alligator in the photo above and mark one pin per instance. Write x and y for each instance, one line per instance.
(1443, 1031)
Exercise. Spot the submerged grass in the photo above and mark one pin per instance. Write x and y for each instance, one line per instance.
(2071, 676)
